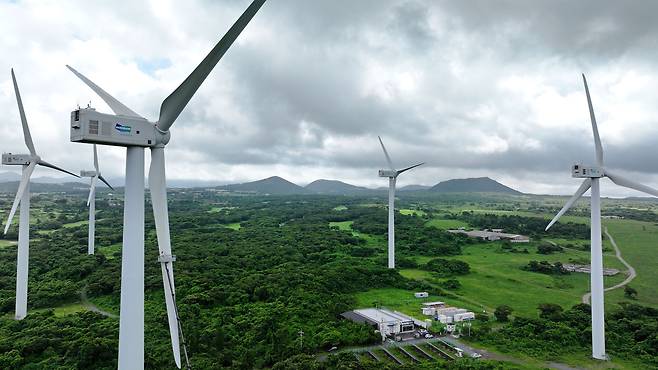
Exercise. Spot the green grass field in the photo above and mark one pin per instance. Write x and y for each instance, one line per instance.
(7, 243)
(496, 278)
(235, 226)
(394, 299)
(347, 226)
(63, 310)
(446, 224)
(110, 250)
(638, 242)
(76, 224)
(416, 212)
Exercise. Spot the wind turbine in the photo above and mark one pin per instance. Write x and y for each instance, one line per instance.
(592, 174)
(129, 129)
(29, 162)
(392, 175)
(91, 200)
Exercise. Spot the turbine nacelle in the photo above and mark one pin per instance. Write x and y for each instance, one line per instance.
(388, 173)
(10, 159)
(84, 173)
(91, 126)
(587, 172)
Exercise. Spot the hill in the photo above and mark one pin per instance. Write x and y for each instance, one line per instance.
(414, 188)
(38, 187)
(335, 187)
(274, 185)
(473, 185)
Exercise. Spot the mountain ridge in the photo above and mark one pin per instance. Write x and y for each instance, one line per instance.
(473, 185)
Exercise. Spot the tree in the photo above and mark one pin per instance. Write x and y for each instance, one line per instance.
(445, 267)
(550, 311)
(629, 292)
(451, 284)
(548, 248)
(503, 312)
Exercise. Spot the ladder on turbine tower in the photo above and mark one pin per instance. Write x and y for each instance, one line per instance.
(165, 260)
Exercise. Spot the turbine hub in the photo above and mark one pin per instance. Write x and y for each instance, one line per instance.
(591, 172)
(162, 137)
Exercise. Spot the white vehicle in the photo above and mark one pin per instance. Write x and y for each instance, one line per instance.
(429, 336)
(475, 355)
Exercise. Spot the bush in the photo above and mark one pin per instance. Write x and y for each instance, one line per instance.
(503, 312)
(545, 267)
(451, 284)
(548, 248)
(445, 268)
(550, 311)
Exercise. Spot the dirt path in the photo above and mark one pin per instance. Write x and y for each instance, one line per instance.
(631, 271)
(92, 307)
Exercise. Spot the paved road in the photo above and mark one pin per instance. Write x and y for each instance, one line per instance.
(92, 307)
(631, 271)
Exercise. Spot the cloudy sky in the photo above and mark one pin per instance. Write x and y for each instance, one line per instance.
(473, 88)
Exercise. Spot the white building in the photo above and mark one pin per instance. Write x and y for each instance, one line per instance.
(493, 235)
(434, 305)
(450, 315)
(389, 323)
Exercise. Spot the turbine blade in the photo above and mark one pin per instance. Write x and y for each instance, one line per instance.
(579, 193)
(388, 159)
(21, 111)
(105, 181)
(92, 189)
(597, 140)
(622, 181)
(96, 159)
(46, 164)
(116, 106)
(25, 179)
(174, 104)
(158, 188)
(410, 167)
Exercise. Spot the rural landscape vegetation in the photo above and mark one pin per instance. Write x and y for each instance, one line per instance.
(265, 269)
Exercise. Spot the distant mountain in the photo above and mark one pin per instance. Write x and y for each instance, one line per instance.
(473, 185)
(9, 176)
(13, 176)
(274, 185)
(38, 187)
(335, 187)
(414, 188)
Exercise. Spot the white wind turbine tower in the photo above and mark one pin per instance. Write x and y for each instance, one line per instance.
(392, 175)
(29, 162)
(91, 200)
(129, 129)
(592, 174)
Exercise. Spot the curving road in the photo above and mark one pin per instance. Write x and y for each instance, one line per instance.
(631, 271)
(92, 307)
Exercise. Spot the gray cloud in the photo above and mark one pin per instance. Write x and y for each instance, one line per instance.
(472, 87)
